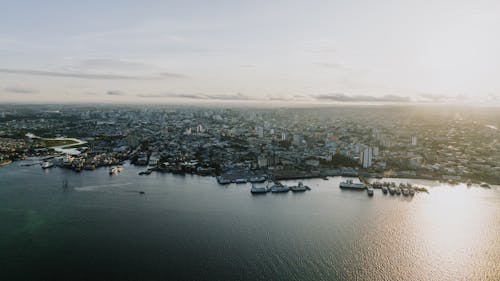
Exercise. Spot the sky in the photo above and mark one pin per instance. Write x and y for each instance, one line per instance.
(277, 52)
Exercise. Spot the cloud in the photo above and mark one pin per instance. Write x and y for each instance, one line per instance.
(339, 97)
(82, 75)
(329, 65)
(199, 96)
(115, 93)
(19, 90)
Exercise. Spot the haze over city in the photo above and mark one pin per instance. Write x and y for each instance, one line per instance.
(305, 52)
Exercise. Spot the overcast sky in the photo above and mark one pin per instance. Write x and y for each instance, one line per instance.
(250, 51)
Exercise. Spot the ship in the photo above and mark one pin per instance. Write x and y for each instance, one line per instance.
(384, 189)
(369, 191)
(348, 184)
(258, 179)
(412, 191)
(259, 189)
(406, 191)
(223, 180)
(299, 188)
(240, 180)
(278, 187)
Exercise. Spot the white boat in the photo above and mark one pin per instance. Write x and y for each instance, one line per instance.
(223, 180)
(485, 185)
(47, 165)
(259, 189)
(240, 180)
(384, 189)
(258, 179)
(277, 188)
(348, 184)
(406, 191)
(412, 191)
(115, 170)
(299, 188)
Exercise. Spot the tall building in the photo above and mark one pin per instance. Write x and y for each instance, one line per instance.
(366, 157)
(283, 136)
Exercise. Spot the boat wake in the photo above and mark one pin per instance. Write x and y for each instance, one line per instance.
(94, 187)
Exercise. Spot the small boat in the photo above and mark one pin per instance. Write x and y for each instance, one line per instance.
(147, 172)
(392, 190)
(325, 178)
(115, 170)
(398, 191)
(405, 191)
(469, 183)
(240, 180)
(384, 190)
(369, 191)
(278, 188)
(259, 189)
(485, 185)
(299, 188)
(223, 180)
(258, 179)
(47, 165)
(411, 191)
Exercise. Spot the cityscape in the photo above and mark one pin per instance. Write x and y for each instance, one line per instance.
(252, 140)
(289, 143)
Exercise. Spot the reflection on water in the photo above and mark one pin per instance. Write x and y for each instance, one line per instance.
(185, 227)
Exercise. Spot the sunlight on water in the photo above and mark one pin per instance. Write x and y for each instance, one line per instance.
(455, 228)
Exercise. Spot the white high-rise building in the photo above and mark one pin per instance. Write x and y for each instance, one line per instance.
(366, 157)
(283, 136)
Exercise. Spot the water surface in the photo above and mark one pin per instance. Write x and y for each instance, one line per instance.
(191, 228)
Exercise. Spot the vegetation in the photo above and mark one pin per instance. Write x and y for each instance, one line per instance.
(54, 142)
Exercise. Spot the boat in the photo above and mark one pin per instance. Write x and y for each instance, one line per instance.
(325, 178)
(411, 191)
(348, 184)
(369, 191)
(398, 191)
(469, 183)
(406, 191)
(259, 189)
(147, 172)
(299, 188)
(47, 165)
(392, 190)
(485, 185)
(258, 179)
(384, 190)
(240, 180)
(278, 188)
(223, 180)
(5, 162)
(115, 170)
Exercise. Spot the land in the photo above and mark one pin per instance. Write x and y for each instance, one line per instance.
(445, 143)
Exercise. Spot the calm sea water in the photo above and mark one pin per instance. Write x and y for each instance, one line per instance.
(191, 228)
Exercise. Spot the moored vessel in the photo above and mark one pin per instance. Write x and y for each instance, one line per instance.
(349, 184)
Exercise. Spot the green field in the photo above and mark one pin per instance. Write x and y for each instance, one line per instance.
(53, 142)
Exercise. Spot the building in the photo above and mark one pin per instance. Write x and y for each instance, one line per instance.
(366, 157)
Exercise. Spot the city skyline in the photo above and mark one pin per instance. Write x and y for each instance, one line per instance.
(320, 52)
